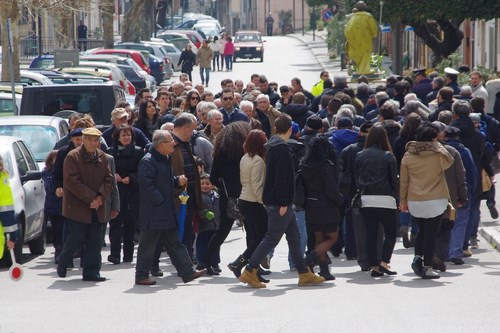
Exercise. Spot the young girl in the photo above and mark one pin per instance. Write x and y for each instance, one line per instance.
(7, 216)
(208, 224)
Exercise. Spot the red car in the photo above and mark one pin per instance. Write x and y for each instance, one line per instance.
(193, 36)
(133, 54)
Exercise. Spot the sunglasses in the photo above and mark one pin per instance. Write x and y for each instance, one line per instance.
(227, 98)
(195, 98)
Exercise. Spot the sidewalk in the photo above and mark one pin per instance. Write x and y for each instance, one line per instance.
(488, 228)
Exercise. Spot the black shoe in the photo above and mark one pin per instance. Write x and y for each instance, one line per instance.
(95, 278)
(375, 273)
(263, 271)
(262, 279)
(217, 268)
(113, 259)
(156, 272)
(438, 264)
(493, 210)
(382, 269)
(417, 266)
(237, 265)
(210, 271)
(365, 269)
(406, 241)
(61, 271)
(311, 260)
(457, 261)
(127, 259)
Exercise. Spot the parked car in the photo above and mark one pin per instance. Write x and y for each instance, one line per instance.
(43, 61)
(116, 74)
(159, 70)
(153, 48)
(248, 45)
(39, 133)
(6, 104)
(193, 36)
(96, 99)
(180, 40)
(29, 196)
(173, 52)
(208, 29)
(137, 56)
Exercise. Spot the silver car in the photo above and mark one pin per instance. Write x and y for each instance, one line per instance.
(29, 195)
(40, 133)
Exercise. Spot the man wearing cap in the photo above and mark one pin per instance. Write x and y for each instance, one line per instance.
(423, 85)
(119, 116)
(87, 184)
(451, 77)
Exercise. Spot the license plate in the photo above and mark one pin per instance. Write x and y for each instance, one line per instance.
(248, 55)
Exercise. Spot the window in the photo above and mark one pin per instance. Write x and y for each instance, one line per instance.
(40, 139)
(31, 163)
(6, 107)
(21, 162)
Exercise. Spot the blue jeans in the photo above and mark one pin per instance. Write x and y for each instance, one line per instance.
(301, 224)
(458, 232)
(474, 217)
(205, 75)
(229, 62)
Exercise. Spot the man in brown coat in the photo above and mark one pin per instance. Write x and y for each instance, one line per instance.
(88, 182)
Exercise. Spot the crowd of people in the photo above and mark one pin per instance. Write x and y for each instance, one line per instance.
(338, 170)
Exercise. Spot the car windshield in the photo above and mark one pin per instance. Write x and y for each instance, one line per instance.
(248, 38)
(39, 139)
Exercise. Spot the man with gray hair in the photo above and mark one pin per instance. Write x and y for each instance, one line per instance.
(472, 139)
(215, 124)
(466, 93)
(266, 114)
(158, 222)
(200, 145)
(202, 110)
(247, 108)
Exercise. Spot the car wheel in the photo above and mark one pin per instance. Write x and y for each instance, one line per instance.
(37, 245)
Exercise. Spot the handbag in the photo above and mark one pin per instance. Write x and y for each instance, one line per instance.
(356, 199)
(486, 181)
(232, 210)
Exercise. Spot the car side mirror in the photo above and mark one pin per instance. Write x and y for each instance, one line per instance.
(31, 175)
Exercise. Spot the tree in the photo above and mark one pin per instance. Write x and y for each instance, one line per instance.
(10, 9)
(437, 22)
(137, 21)
(107, 9)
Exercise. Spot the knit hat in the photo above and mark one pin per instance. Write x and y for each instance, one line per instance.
(314, 123)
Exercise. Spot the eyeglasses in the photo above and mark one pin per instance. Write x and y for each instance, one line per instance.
(227, 98)
(147, 97)
(193, 98)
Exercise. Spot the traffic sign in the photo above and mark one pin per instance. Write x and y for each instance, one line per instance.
(327, 14)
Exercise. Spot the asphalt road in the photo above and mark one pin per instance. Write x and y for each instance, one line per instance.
(465, 299)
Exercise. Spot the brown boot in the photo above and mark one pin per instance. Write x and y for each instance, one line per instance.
(310, 279)
(251, 278)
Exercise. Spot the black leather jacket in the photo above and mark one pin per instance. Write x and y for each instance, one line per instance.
(376, 172)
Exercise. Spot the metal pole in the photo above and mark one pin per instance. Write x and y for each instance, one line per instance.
(380, 27)
(293, 11)
(496, 46)
(11, 67)
(303, 21)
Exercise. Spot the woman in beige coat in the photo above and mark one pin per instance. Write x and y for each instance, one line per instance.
(424, 193)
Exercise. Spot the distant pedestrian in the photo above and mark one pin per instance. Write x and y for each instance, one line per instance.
(269, 24)
(215, 46)
(188, 60)
(82, 36)
(204, 60)
(229, 53)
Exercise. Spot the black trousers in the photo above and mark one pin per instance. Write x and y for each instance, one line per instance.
(123, 228)
(255, 224)
(89, 235)
(372, 218)
(425, 242)
(177, 252)
(220, 236)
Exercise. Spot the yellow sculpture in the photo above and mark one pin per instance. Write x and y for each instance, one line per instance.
(359, 33)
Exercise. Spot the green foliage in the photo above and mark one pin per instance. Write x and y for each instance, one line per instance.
(487, 74)
(454, 60)
(411, 11)
(336, 39)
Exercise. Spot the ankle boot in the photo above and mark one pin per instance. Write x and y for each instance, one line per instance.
(249, 276)
(324, 271)
(237, 265)
(311, 260)
(308, 278)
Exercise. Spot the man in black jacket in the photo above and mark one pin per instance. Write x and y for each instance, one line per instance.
(278, 197)
(158, 220)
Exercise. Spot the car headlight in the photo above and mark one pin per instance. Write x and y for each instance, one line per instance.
(237, 49)
(257, 49)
